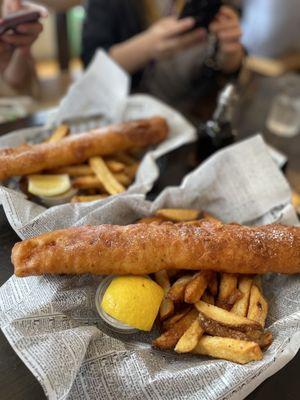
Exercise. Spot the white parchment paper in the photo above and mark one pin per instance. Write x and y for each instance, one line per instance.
(52, 322)
(99, 97)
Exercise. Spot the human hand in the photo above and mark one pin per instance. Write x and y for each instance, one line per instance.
(25, 34)
(226, 27)
(170, 35)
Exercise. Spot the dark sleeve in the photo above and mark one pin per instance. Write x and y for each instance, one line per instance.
(98, 28)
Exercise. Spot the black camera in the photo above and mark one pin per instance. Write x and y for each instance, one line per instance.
(203, 11)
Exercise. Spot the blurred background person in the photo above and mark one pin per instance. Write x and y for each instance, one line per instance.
(164, 55)
(17, 67)
(271, 27)
(142, 36)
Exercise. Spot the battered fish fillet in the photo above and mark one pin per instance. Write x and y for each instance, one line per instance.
(27, 159)
(148, 248)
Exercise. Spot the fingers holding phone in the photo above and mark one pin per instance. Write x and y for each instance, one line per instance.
(170, 35)
(226, 26)
(25, 35)
(12, 6)
(20, 23)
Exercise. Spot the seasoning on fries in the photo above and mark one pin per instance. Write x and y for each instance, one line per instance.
(230, 308)
(177, 291)
(227, 291)
(196, 287)
(240, 307)
(258, 307)
(238, 351)
(190, 338)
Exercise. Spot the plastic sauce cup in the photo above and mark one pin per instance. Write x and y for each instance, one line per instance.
(114, 324)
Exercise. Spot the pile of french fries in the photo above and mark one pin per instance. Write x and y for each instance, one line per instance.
(296, 201)
(99, 177)
(220, 315)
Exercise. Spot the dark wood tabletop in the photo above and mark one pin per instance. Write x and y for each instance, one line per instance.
(17, 382)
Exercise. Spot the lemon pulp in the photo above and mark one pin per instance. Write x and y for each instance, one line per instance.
(48, 185)
(133, 300)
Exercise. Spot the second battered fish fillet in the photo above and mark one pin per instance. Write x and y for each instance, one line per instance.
(148, 248)
(29, 159)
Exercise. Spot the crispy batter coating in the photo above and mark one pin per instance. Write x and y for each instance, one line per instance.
(27, 159)
(148, 248)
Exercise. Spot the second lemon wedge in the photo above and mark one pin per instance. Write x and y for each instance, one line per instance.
(48, 185)
(133, 300)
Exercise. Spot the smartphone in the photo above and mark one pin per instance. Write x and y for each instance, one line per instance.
(11, 21)
(203, 11)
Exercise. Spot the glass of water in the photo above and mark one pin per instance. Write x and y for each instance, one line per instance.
(284, 115)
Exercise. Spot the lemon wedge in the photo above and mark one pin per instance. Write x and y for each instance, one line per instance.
(133, 300)
(48, 185)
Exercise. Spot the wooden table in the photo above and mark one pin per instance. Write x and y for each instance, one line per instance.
(17, 382)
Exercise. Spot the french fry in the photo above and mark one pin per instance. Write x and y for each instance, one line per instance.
(136, 152)
(176, 292)
(122, 178)
(114, 165)
(258, 307)
(208, 298)
(197, 286)
(227, 288)
(210, 326)
(178, 215)
(74, 170)
(85, 199)
(233, 298)
(87, 182)
(213, 284)
(125, 158)
(238, 351)
(93, 192)
(169, 322)
(166, 309)
(257, 282)
(173, 272)
(193, 222)
(110, 183)
(240, 307)
(190, 338)
(169, 339)
(150, 220)
(210, 217)
(131, 170)
(92, 181)
(295, 200)
(60, 132)
(84, 169)
(167, 306)
(227, 318)
(162, 279)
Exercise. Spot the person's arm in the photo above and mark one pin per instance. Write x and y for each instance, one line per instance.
(163, 39)
(133, 54)
(226, 27)
(20, 74)
(17, 66)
